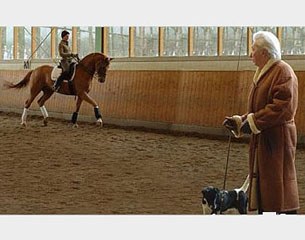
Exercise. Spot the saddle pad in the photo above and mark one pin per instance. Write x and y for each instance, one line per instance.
(55, 73)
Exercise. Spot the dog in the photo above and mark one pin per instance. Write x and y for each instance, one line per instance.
(216, 201)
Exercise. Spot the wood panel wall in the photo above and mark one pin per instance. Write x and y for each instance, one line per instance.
(191, 98)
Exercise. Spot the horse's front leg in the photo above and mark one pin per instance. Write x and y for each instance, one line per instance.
(97, 112)
(98, 116)
(75, 114)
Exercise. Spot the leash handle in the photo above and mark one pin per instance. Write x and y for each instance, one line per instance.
(227, 163)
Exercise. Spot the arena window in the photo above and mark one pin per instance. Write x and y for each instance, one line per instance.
(18, 43)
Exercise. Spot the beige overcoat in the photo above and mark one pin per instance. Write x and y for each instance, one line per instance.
(273, 100)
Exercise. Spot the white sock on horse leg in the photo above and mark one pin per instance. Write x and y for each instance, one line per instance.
(24, 115)
(44, 111)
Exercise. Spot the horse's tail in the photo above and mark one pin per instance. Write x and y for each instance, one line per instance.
(23, 83)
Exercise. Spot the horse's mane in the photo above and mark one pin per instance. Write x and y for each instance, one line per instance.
(90, 55)
(89, 62)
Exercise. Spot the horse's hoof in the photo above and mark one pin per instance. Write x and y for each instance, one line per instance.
(75, 125)
(45, 122)
(23, 124)
(99, 122)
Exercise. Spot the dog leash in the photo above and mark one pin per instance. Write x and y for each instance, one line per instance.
(230, 135)
(227, 163)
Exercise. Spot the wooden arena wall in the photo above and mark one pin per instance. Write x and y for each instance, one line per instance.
(183, 100)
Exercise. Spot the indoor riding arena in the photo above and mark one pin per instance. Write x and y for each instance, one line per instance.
(166, 94)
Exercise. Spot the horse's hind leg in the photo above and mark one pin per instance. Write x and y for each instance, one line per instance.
(24, 116)
(27, 105)
(46, 95)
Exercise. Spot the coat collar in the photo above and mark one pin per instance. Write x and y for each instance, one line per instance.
(260, 72)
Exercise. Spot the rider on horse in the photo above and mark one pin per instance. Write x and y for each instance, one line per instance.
(67, 57)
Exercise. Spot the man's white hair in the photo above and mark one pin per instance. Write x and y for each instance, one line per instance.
(268, 41)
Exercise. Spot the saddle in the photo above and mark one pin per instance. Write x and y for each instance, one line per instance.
(57, 70)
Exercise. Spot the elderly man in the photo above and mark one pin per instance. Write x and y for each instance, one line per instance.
(272, 106)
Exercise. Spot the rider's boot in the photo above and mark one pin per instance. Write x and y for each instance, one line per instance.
(58, 83)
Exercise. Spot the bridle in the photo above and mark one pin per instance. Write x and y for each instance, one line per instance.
(91, 73)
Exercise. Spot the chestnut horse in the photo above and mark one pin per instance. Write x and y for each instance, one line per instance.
(40, 78)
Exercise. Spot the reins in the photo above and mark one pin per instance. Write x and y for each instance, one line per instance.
(83, 66)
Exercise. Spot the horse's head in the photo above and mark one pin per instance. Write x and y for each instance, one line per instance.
(101, 67)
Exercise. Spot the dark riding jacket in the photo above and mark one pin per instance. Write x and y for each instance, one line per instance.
(66, 54)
